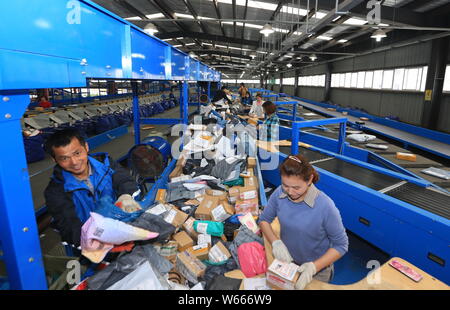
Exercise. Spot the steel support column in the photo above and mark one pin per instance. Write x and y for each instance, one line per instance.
(327, 89)
(18, 230)
(136, 113)
(435, 83)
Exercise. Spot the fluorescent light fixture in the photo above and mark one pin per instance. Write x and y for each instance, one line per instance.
(177, 45)
(184, 15)
(378, 35)
(221, 46)
(253, 56)
(325, 38)
(252, 4)
(204, 17)
(167, 40)
(289, 65)
(189, 44)
(133, 18)
(180, 38)
(298, 33)
(276, 69)
(343, 41)
(203, 55)
(267, 30)
(355, 21)
(319, 15)
(156, 15)
(207, 44)
(313, 57)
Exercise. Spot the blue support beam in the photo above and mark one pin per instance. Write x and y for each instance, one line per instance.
(161, 121)
(18, 229)
(136, 114)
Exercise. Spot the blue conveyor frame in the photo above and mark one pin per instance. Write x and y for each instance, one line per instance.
(60, 44)
(398, 228)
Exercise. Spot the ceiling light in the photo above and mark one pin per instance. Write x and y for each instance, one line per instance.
(153, 16)
(252, 56)
(150, 29)
(192, 54)
(343, 41)
(378, 35)
(276, 69)
(289, 65)
(325, 38)
(267, 30)
(313, 57)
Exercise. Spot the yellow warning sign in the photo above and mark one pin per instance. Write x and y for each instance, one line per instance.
(428, 94)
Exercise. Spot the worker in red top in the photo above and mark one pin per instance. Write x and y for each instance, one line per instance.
(44, 103)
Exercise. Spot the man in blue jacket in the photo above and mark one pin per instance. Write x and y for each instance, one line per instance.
(79, 181)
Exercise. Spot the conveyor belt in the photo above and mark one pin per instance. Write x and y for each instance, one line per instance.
(426, 144)
(309, 154)
(363, 176)
(424, 198)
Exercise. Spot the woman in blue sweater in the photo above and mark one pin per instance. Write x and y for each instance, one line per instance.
(312, 234)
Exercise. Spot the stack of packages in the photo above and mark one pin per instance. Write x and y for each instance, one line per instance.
(205, 223)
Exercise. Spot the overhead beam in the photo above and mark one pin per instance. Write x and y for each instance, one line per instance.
(245, 17)
(194, 13)
(221, 53)
(219, 16)
(168, 13)
(125, 4)
(205, 36)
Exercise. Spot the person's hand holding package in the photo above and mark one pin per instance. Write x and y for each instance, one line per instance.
(307, 272)
(281, 252)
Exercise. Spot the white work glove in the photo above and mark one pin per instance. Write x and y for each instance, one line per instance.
(307, 272)
(127, 203)
(280, 251)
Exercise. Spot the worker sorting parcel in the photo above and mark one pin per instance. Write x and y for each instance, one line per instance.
(205, 228)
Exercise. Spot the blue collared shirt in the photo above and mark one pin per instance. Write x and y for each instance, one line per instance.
(308, 228)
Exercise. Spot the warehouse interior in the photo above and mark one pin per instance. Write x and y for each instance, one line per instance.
(361, 90)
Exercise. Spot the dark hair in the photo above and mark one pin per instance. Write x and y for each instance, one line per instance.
(259, 95)
(62, 138)
(269, 107)
(223, 87)
(299, 166)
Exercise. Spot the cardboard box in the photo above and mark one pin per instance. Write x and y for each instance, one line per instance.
(161, 195)
(176, 172)
(247, 206)
(251, 182)
(204, 238)
(183, 240)
(251, 162)
(246, 193)
(200, 251)
(406, 156)
(234, 193)
(190, 267)
(176, 217)
(223, 196)
(282, 276)
(203, 211)
(188, 226)
(219, 253)
(222, 212)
